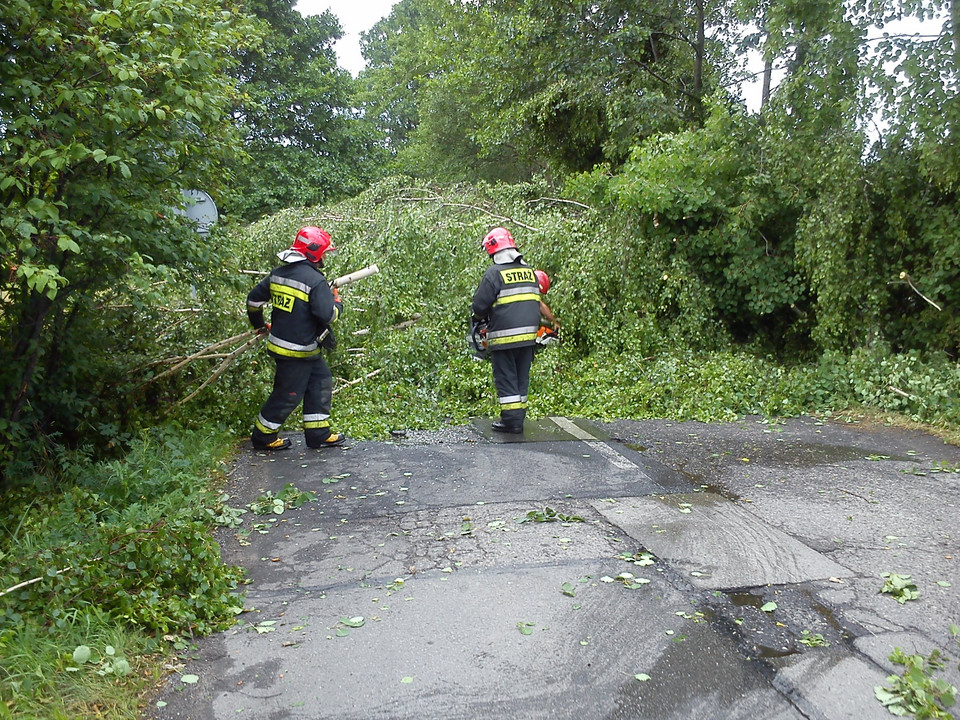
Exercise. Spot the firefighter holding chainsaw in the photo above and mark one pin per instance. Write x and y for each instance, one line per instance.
(508, 299)
(304, 306)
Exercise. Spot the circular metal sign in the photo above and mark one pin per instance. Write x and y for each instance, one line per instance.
(201, 209)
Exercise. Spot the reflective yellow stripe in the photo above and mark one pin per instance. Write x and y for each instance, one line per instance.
(292, 353)
(516, 298)
(513, 406)
(512, 339)
(316, 424)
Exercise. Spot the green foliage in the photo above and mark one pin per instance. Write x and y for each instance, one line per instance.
(106, 114)
(44, 674)
(547, 515)
(900, 587)
(916, 693)
(129, 541)
(304, 141)
(713, 219)
(917, 243)
(275, 503)
(811, 639)
(500, 91)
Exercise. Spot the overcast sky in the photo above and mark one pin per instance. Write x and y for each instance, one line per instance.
(355, 17)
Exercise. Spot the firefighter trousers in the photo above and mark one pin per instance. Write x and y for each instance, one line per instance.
(297, 379)
(511, 377)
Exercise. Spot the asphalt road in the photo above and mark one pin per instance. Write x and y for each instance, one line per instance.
(624, 570)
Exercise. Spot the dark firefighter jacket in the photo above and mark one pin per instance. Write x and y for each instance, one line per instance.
(509, 298)
(302, 308)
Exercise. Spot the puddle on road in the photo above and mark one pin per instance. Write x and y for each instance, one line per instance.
(811, 454)
(720, 490)
(745, 599)
(702, 485)
(767, 653)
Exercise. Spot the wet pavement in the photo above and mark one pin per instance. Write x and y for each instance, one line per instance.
(623, 570)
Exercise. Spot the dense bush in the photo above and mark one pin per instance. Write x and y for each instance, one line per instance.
(125, 542)
(646, 327)
(129, 538)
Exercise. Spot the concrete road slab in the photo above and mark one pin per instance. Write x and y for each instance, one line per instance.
(497, 618)
(715, 543)
(433, 540)
(834, 685)
(381, 478)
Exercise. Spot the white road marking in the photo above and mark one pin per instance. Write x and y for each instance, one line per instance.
(601, 447)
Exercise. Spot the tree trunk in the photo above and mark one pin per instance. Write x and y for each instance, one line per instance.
(699, 57)
(767, 77)
(29, 351)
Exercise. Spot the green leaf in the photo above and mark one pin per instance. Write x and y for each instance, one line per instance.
(768, 607)
(568, 589)
(81, 654)
(526, 628)
(65, 242)
(641, 677)
(189, 679)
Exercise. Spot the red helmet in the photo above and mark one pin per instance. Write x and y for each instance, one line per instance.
(543, 281)
(313, 242)
(498, 239)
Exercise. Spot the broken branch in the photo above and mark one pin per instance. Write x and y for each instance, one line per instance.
(347, 383)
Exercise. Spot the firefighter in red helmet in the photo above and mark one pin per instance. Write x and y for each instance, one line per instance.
(548, 332)
(509, 300)
(303, 308)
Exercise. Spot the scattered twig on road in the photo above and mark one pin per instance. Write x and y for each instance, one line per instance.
(848, 492)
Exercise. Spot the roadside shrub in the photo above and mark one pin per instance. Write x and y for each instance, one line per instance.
(131, 541)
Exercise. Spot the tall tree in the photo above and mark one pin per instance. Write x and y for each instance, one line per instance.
(305, 142)
(106, 112)
(548, 84)
(397, 67)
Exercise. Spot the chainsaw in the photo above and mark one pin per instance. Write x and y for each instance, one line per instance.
(477, 339)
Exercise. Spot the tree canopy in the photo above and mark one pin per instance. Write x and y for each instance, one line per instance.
(823, 222)
(304, 141)
(107, 112)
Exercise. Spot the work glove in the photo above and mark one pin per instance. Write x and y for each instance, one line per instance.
(336, 294)
(264, 330)
(329, 342)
